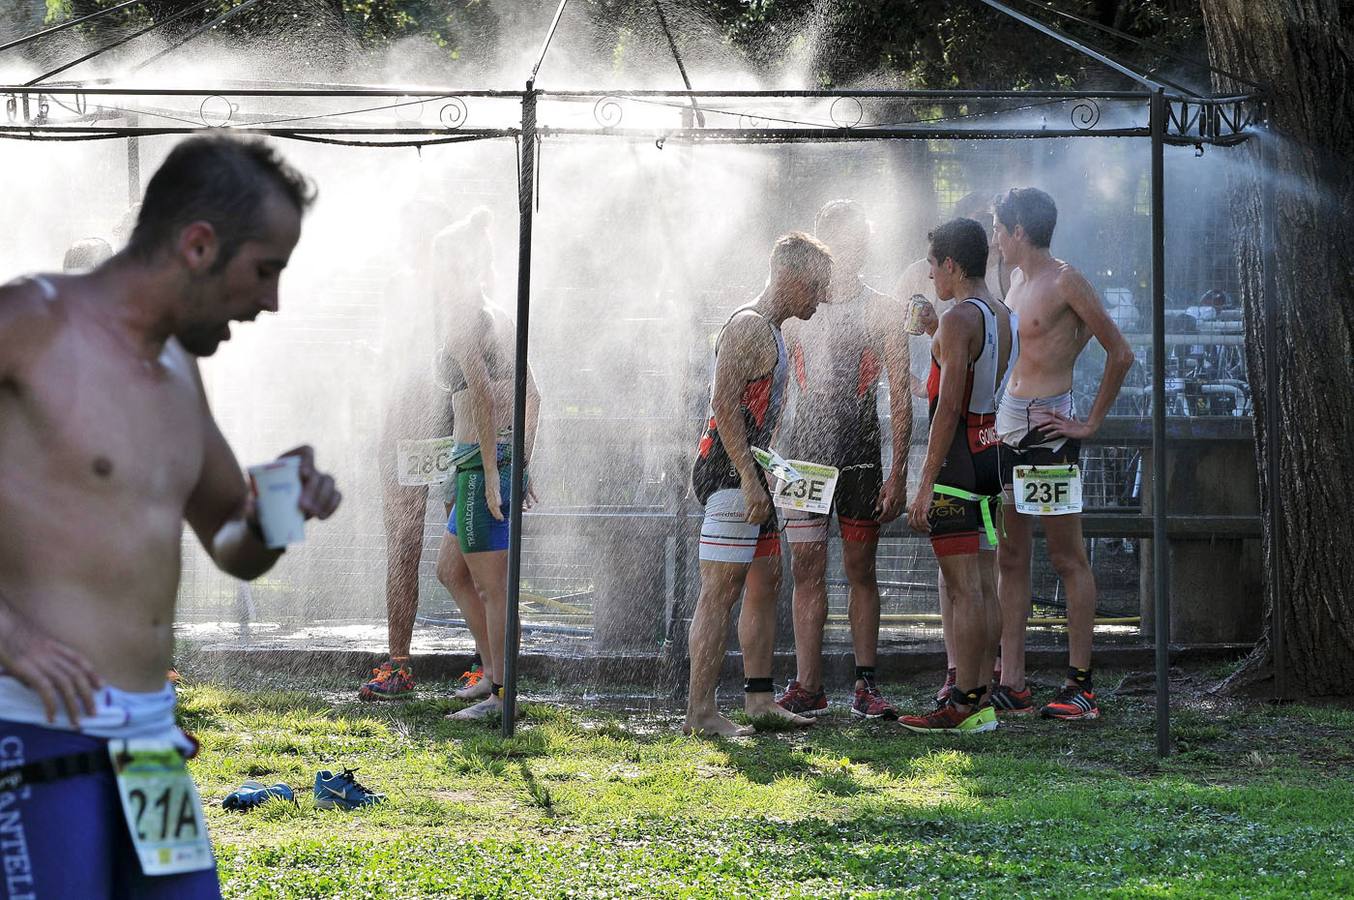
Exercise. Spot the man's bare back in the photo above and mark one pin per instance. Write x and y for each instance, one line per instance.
(1052, 334)
(99, 453)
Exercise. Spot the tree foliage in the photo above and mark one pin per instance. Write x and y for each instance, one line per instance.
(917, 43)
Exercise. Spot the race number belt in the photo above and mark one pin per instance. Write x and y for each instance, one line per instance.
(1047, 490)
(58, 768)
(799, 485)
(985, 504)
(161, 806)
(424, 462)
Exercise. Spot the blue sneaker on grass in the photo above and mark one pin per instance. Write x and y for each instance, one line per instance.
(254, 793)
(343, 791)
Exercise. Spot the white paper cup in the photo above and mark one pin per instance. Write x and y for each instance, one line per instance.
(277, 491)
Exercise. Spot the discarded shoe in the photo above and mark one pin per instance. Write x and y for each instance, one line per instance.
(343, 791)
(255, 793)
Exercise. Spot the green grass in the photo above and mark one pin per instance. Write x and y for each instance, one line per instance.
(1259, 801)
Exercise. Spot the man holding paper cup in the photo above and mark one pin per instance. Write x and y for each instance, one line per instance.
(107, 446)
(959, 495)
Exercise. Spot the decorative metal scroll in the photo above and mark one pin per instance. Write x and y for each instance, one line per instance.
(1085, 115)
(216, 111)
(608, 112)
(453, 113)
(1235, 117)
(1211, 120)
(751, 122)
(843, 114)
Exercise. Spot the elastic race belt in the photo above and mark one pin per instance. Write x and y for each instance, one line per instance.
(985, 504)
(56, 768)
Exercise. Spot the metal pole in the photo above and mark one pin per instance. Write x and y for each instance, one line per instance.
(133, 164)
(70, 23)
(1084, 49)
(1160, 549)
(545, 44)
(1278, 608)
(526, 186)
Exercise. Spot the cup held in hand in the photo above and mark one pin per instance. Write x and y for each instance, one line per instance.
(277, 493)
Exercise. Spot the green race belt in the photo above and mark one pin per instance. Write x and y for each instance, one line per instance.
(985, 503)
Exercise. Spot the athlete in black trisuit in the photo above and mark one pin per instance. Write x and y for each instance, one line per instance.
(916, 280)
(958, 498)
(836, 361)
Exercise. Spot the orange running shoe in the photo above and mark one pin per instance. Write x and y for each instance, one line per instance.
(1073, 702)
(388, 683)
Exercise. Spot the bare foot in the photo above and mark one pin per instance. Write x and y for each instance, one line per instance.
(477, 691)
(714, 724)
(759, 706)
(487, 707)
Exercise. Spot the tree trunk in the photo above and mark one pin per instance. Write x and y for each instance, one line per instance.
(1304, 53)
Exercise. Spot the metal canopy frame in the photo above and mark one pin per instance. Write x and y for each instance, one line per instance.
(104, 111)
(1174, 115)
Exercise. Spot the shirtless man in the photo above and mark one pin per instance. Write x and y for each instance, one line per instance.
(1059, 313)
(107, 446)
(972, 354)
(740, 536)
(472, 562)
(835, 363)
(916, 280)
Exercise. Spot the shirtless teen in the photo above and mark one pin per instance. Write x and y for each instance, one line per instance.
(1059, 313)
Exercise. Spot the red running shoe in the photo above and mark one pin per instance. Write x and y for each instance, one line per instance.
(870, 704)
(1009, 700)
(1072, 703)
(801, 702)
(949, 719)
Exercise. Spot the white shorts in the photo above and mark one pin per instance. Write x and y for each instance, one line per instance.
(726, 537)
(1014, 425)
(117, 715)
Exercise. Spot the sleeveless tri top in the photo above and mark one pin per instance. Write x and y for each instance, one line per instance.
(761, 404)
(984, 384)
(836, 362)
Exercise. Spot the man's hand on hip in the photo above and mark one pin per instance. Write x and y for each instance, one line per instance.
(57, 673)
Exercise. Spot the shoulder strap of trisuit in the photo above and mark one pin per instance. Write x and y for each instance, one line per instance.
(45, 285)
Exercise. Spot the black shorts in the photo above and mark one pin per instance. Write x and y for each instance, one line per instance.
(958, 525)
(1068, 454)
(854, 503)
(972, 465)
